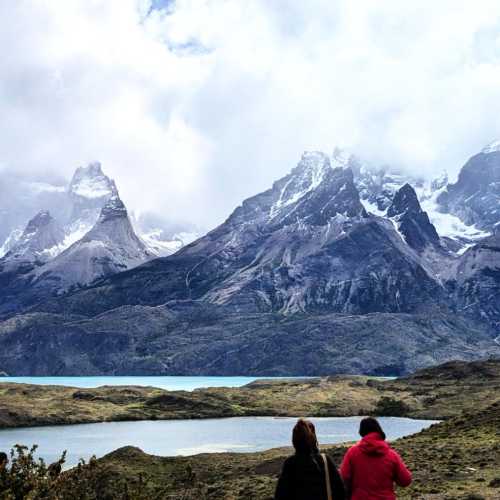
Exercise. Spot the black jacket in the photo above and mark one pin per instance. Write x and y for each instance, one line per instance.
(303, 478)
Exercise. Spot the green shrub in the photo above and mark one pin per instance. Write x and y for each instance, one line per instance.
(390, 407)
(28, 478)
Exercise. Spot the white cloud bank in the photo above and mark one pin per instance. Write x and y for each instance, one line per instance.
(194, 105)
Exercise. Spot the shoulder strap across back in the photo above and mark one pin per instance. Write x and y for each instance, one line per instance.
(327, 477)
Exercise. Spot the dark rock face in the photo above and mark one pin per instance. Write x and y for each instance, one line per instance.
(478, 281)
(412, 221)
(405, 202)
(475, 197)
(205, 339)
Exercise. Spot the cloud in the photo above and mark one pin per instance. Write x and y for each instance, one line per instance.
(194, 105)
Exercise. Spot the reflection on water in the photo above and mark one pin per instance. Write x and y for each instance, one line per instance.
(188, 437)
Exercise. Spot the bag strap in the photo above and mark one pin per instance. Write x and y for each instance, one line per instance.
(327, 478)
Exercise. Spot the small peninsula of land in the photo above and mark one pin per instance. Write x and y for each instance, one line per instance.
(440, 392)
(457, 459)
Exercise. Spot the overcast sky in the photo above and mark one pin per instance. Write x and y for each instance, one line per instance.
(194, 105)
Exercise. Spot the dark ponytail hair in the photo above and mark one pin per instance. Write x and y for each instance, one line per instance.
(369, 425)
(304, 437)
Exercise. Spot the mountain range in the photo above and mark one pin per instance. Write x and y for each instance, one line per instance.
(340, 266)
(76, 208)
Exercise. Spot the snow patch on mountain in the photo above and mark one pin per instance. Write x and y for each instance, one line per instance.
(161, 248)
(38, 240)
(492, 147)
(75, 232)
(446, 224)
(109, 247)
(11, 241)
(378, 185)
(373, 208)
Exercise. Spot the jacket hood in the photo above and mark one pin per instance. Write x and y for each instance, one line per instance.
(373, 444)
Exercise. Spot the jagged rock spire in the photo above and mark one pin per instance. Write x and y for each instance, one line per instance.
(412, 221)
(405, 201)
(109, 247)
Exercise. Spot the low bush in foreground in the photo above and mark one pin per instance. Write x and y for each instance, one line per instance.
(26, 477)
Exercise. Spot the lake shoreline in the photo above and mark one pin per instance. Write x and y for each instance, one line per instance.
(436, 393)
(171, 438)
(457, 459)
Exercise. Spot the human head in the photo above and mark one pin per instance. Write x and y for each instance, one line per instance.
(4, 459)
(304, 437)
(369, 425)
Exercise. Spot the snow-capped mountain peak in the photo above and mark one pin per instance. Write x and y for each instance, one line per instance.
(109, 247)
(113, 225)
(40, 239)
(90, 182)
(312, 193)
(88, 192)
(305, 177)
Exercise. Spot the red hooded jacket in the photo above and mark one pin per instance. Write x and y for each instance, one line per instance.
(371, 467)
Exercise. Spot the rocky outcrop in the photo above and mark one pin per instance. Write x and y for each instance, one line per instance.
(412, 222)
(478, 281)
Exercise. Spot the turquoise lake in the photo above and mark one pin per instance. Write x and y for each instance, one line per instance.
(167, 382)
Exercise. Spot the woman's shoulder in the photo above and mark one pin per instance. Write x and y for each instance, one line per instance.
(393, 454)
(352, 449)
(290, 461)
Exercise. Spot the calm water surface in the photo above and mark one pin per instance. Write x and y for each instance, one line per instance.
(168, 383)
(189, 437)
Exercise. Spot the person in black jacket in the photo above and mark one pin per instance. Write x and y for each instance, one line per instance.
(303, 476)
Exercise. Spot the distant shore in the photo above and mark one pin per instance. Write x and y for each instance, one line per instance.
(436, 393)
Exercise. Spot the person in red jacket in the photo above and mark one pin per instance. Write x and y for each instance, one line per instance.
(371, 467)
